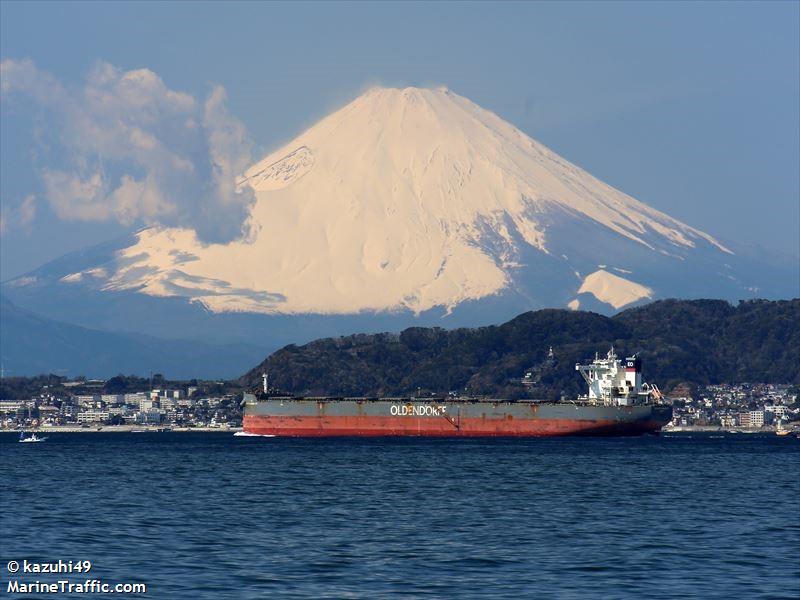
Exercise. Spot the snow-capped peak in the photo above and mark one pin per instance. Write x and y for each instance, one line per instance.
(404, 198)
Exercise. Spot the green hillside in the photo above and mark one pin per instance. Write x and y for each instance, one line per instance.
(694, 341)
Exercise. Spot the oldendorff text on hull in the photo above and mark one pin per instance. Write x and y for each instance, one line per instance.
(617, 403)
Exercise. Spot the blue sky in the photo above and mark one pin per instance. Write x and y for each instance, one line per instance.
(691, 108)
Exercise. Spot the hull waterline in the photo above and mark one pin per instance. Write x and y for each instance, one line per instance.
(378, 418)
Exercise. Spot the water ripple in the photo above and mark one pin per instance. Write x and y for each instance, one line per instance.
(213, 516)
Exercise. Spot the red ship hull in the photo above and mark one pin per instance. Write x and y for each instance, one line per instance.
(373, 426)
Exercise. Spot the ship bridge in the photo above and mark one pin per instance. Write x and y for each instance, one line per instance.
(614, 381)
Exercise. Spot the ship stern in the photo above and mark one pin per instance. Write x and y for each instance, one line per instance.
(660, 415)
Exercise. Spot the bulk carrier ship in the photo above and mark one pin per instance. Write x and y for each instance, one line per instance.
(617, 403)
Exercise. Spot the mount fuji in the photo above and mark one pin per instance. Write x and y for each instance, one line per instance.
(406, 206)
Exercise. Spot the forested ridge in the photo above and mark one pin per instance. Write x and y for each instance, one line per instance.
(679, 341)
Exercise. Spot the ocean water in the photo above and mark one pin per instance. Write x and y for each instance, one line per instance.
(209, 515)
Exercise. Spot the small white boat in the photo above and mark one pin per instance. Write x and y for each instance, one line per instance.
(32, 438)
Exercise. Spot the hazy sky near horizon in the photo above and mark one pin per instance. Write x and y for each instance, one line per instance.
(691, 108)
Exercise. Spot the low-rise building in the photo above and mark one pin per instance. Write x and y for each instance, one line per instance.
(10, 406)
(149, 417)
(779, 410)
(113, 399)
(88, 401)
(93, 416)
(756, 418)
(69, 411)
(744, 419)
(135, 398)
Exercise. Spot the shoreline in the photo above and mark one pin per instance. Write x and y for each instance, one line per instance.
(122, 429)
(168, 429)
(718, 429)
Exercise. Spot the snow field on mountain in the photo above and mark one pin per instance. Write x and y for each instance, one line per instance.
(403, 199)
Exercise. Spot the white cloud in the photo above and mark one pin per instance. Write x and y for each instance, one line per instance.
(140, 199)
(23, 76)
(22, 215)
(230, 155)
(124, 146)
(74, 198)
(27, 210)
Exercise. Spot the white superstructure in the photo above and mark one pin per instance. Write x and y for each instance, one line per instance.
(612, 382)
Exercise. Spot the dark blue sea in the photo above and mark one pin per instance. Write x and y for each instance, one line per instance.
(209, 515)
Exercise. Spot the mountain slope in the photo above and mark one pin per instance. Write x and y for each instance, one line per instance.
(411, 199)
(30, 345)
(406, 207)
(700, 341)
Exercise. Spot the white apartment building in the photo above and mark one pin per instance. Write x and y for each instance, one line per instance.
(93, 416)
(756, 418)
(779, 410)
(134, 399)
(150, 416)
(88, 401)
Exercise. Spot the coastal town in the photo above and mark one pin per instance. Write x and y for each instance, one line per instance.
(87, 405)
(91, 407)
(745, 406)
